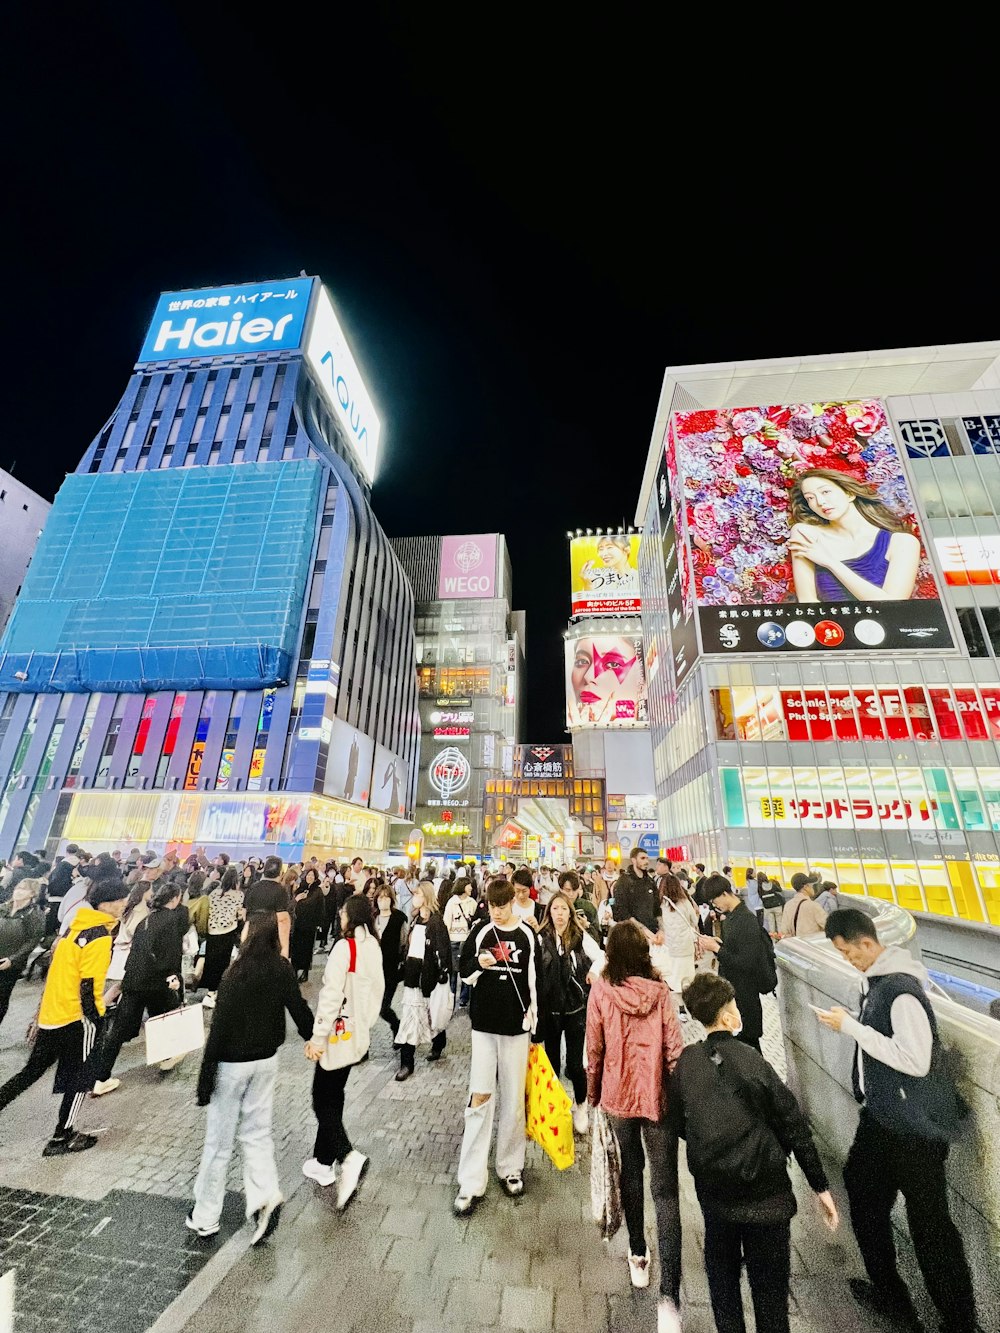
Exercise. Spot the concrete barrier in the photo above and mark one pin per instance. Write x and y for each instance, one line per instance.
(819, 1072)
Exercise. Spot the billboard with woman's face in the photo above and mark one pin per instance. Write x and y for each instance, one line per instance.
(605, 680)
(605, 574)
(803, 532)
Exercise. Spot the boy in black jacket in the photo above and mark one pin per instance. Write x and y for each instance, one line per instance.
(740, 1123)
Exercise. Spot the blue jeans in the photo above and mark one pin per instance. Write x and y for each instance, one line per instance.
(456, 951)
(241, 1106)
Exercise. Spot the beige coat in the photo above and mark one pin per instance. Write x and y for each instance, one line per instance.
(802, 917)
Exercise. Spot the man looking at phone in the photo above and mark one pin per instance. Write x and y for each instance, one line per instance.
(500, 963)
(586, 912)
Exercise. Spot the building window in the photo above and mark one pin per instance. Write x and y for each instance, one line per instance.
(972, 631)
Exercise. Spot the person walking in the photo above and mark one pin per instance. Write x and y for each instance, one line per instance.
(151, 984)
(774, 903)
(827, 896)
(752, 893)
(70, 1015)
(391, 931)
(426, 965)
(909, 1112)
(636, 897)
(681, 937)
(802, 917)
(569, 961)
(22, 927)
(225, 903)
(740, 1123)
(236, 1082)
(309, 911)
(633, 1043)
(458, 914)
(745, 954)
(501, 963)
(348, 1005)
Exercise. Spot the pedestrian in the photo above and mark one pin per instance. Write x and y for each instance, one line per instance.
(225, 903)
(391, 930)
(774, 903)
(524, 906)
(909, 1112)
(426, 965)
(308, 901)
(740, 1123)
(828, 897)
(745, 955)
(69, 1017)
(633, 1043)
(348, 1004)
(60, 881)
(22, 927)
(458, 915)
(267, 894)
(569, 961)
(681, 937)
(151, 984)
(636, 897)
(500, 962)
(239, 1070)
(752, 894)
(584, 911)
(802, 916)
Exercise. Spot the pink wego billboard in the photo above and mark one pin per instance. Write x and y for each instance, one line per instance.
(468, 566)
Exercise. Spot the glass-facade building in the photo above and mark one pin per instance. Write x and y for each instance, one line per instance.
(879, 769)
(214, 643)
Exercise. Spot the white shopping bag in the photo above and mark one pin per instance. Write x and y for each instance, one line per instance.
(177, 1033)
(441, 1006)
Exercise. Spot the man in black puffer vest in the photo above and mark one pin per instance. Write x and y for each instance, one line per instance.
(909, 1111)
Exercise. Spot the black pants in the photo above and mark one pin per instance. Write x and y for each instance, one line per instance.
(332, 1144)
(387, 1012)
(573, 1027)
(766, 1251)
(70, 1048)
(882, 1163)
(7, 980)
(126, 1023)
(661, 1148)
(408, 1053)
(218, 952)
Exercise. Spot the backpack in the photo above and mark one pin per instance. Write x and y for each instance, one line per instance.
(768, 978)
(772, 897)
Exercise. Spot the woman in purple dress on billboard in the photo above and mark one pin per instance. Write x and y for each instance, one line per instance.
(845, 544)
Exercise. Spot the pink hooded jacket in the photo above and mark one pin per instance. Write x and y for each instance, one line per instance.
(633, 1042)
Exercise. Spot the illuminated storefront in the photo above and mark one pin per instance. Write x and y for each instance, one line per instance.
(817, 711)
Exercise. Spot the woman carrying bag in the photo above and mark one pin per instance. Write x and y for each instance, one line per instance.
(427, 965)
(569, 960)
(458, 913)
(348, 1005)
(392, 929)
(680, 937)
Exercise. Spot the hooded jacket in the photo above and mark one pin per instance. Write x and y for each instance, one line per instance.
(633, 1042)
(20, 931)
(74, 988)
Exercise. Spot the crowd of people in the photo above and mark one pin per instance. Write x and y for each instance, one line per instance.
(603, 967)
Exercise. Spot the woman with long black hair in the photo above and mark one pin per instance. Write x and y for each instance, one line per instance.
(224, 904)
(427, 964)
(308, 900)
(569, 955)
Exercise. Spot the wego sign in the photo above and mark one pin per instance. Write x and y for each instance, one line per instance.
(468, 566)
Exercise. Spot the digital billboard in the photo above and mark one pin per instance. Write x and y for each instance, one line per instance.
(340, 380)
(468, 567)
(222, 321)
(802, 531)
(388, 783)
(604, 574)
(679, 603)
(605, 680)
(349, 764)
(967, 561)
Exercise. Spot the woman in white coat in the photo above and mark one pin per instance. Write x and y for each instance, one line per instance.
(680, 936)
(346, 1010)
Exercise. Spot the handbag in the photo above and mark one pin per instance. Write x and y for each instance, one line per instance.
(340, 1051)
(605, 1177)
(178, 1032)
(547, 1110)
(441, 1006)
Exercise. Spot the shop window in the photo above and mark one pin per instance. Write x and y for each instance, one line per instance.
(972, 631)
(991, 619)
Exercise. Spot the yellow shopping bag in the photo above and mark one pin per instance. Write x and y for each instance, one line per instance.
(548, 1110)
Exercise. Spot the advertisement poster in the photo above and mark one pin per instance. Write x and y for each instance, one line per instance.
(388, 783)
(605, 681)
(468, 566)
(679, 603)
(349, 764)
(802, 532)
(604, 574)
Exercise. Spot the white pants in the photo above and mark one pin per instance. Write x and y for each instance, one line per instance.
(499, 1068)
(243, 1102)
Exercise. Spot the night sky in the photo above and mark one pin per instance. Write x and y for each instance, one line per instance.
(521, 227)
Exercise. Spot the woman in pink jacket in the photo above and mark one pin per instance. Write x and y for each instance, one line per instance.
(633, 1042)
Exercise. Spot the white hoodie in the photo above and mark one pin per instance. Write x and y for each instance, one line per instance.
(909, 1048)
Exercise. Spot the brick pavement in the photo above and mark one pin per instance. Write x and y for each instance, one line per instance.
(397, 1259)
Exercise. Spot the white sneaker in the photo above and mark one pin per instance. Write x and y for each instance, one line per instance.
(266, 1220)
(323, 1175)
(104, 1086)
(204, 1232)
(352, 1168)
(668, 1317)
(638, 1269)
(581, 1118)
(165, 1065)
(209, 1001)
(464, 1204)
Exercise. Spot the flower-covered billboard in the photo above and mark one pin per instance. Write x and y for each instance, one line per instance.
(801, 530)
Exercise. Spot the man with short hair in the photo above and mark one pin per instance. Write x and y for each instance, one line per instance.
(636, 897)
(60, 882)
(524, 906)
(500, 962)
(744, 953)
(586, 912)
(802, 916)
(908, 1114)
(268, 895)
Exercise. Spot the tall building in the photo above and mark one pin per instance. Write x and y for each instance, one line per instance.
(470, 678)
(214, 643)
(821, 607)
(22, 517)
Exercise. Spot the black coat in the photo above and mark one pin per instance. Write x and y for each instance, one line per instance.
(19, 933)
(155, 953)
(437, 955)
(741, 963)
(391, 944)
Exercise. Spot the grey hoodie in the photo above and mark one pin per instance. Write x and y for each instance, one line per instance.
(909, 1048)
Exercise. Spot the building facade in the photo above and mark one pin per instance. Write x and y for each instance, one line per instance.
(214, 643)
(470, 682)
(22, 518)
(818, 714)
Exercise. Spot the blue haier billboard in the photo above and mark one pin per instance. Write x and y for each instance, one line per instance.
(221, 321)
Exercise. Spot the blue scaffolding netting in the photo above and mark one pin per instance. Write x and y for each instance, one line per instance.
(189, 578)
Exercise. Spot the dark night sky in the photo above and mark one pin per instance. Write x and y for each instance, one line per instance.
(521, 228)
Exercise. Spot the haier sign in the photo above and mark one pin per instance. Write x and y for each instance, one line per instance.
(222, 321)
(468, 566)
(340, 380)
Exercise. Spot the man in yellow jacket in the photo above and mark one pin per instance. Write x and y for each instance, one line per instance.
(71, 1013)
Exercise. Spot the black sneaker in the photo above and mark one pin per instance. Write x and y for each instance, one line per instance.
(57, 1145)
(81, 1142)
(435, 1055)
(895, 1307)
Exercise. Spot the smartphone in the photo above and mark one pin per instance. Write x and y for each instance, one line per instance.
(816, 1008)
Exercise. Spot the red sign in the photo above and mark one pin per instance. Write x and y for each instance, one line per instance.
(889, 713)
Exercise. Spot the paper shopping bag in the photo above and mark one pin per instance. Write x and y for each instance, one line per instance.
(548, 1111)
(177, 1033)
